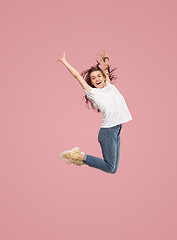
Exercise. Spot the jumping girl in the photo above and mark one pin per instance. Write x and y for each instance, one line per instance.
(105, 97)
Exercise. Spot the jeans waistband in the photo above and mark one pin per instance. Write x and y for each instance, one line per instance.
(119, 125)
(114, 127)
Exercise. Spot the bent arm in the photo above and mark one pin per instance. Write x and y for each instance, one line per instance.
(105, 70)
(77, 75)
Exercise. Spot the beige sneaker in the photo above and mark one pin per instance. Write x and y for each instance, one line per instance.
(76, 162)
(72, 155)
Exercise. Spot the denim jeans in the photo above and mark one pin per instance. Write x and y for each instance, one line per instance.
(109, 139)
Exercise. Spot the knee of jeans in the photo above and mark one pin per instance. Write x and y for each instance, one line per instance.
(112, 170)
(115, 170)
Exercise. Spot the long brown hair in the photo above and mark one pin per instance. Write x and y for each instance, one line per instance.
(86, 75)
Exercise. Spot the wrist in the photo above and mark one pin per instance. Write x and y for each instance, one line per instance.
(63, 61)
(105, 59)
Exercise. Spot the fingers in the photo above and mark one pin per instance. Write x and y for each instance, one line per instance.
(60, 59)
(99, 56)
(102, 55)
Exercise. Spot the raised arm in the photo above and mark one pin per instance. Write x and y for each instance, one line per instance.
(105, 70)
(75, 73)
(106, 64)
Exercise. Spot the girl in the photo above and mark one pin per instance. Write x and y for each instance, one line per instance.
(106, 98)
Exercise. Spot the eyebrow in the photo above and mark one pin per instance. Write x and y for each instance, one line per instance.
(97, 75)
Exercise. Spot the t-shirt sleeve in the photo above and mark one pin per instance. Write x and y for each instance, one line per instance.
(92, 96)
(108, 82)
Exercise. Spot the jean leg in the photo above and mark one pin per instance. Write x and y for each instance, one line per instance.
(118, 154)
(96, 162)
(118, 148)
(108, 143)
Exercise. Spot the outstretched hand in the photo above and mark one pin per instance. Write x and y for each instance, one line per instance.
(62, 58)
(101, 56)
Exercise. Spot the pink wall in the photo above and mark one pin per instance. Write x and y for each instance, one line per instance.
(42, 114)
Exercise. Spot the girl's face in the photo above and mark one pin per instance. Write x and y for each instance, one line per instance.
(97, 79)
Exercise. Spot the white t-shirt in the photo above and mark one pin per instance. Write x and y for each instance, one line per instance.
(111, 103)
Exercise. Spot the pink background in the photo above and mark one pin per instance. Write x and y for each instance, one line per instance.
(42, 114)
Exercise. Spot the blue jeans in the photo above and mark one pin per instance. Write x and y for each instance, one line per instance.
(109, 139)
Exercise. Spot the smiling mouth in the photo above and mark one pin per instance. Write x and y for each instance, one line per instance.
(98, 83)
